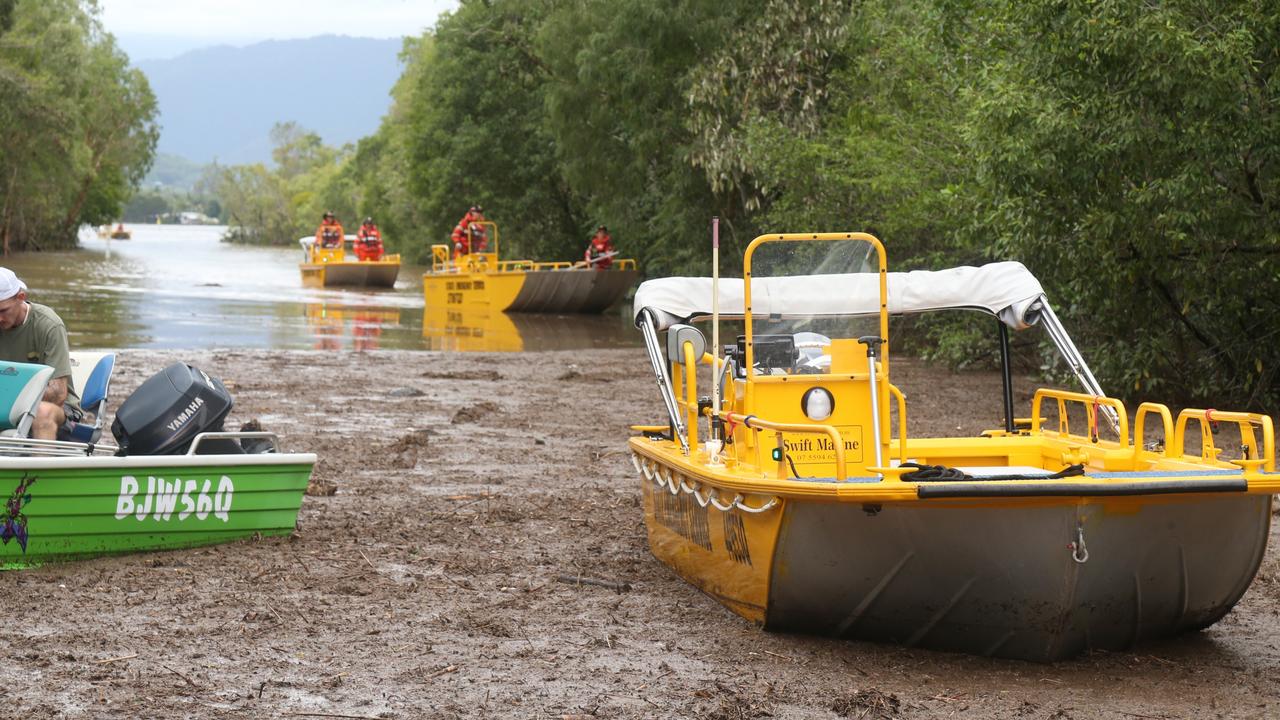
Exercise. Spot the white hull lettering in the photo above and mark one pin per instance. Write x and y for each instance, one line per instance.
(162, 498)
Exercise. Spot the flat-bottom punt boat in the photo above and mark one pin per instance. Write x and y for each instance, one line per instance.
(479, 281)
(802, 503)
(334, 267)
(184, 483)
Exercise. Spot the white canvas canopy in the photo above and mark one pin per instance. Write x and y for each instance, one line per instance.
(1004, 289)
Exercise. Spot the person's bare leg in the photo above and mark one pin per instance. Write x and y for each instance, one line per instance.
(49, 418)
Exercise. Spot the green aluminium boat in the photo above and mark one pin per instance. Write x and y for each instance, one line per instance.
(67, 507)
(175, 479)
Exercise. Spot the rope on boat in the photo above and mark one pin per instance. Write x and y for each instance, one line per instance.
(723, 508)
(1079, 552)
(671, 483)
(773, 502)
(676, 484)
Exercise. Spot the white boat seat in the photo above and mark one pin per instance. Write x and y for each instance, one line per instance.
(22, 386)
(91, 377)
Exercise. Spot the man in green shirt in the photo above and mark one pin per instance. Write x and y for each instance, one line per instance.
(33, 333)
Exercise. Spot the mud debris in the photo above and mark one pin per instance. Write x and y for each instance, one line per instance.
(474, 413)
(429, 590)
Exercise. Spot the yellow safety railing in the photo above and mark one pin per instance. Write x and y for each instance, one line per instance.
(442, 259)
(1092, 404)
(439, 258)
(1247, 424)
(757, 424)
(901, 401)
(1140, 451)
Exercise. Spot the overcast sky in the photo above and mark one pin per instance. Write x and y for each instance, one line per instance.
(149, 29)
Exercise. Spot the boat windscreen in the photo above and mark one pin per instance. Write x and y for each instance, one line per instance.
(809, 330)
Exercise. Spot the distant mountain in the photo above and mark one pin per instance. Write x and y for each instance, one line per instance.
(219, 103)
(173, 171)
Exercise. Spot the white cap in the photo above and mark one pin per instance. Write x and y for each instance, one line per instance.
(10, 285)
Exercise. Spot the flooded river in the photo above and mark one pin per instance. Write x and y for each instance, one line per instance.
(173, 286)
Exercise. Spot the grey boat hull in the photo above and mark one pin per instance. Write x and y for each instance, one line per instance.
(1012, 581)
(572, 291)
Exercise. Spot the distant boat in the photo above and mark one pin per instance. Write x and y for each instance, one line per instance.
(330, 267)
(118, 234)
(479, 281)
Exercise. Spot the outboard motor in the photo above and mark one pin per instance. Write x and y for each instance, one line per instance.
(167, 411)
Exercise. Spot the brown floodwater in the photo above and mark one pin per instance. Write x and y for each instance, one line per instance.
(174, 286)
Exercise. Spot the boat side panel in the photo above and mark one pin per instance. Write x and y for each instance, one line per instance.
(725, 554)
(1002, 580)
(471, 291)
(82, 512)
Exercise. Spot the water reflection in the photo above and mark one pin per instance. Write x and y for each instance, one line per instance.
(484, 331)
(350, 328)
(179, 287)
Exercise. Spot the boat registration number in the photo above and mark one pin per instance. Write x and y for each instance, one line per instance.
(163, 499)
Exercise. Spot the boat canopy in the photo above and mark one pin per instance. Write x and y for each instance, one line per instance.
(1005, 289)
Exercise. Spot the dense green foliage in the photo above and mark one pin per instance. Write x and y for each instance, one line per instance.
(1126, 152)
(79, 123)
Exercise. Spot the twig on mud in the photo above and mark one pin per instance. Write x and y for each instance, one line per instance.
(1140, 715)
(645, 685)
(366, 559)
(788, 658)
(482, 498)
(455, 583)
(443, 671)
(273, 612)
(332, 715)
(629, 697)
(116, 659)
(190, 682)
(580, 580)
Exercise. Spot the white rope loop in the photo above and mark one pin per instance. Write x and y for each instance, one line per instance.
(667, 479)
(771, 504)
(715, 502)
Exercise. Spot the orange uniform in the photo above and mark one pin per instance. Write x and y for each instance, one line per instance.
(329, 234)
(368, 244)
(599, 250)
(469, 235)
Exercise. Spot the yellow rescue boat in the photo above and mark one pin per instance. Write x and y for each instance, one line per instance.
(335, 267)
(802, 503)
(480, 281)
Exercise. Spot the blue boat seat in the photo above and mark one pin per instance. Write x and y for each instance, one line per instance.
(21, 388)
(91, 376)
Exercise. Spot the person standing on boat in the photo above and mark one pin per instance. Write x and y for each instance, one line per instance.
(33, 333)
(369, 241)
(469, 234)
(329, 234)
(599, 252)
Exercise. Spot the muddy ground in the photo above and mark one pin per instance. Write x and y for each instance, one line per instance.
(453, 495)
